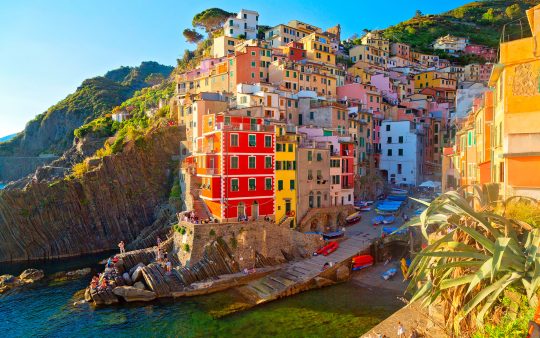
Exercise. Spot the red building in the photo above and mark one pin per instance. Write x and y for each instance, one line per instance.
(295, 51)
(235, 160)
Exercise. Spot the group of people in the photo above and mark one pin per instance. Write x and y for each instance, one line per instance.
(162, 257)
(192, 218)
(107, 278)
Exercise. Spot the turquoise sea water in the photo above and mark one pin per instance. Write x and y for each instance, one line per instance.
(47, 310)
(2, 186)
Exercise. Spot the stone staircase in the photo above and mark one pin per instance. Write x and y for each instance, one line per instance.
(280, 283)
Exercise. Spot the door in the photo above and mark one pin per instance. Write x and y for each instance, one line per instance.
(255, 210)
(287, 207)
(300, 120)
(241, 210)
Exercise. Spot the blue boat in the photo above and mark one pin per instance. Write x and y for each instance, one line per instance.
(377, 220)
(389, 230)
(397, 197)
(389, 219)
(389, 273)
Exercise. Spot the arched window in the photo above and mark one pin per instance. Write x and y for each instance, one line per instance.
(311, 201)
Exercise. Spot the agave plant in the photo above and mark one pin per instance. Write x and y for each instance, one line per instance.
(471, 257)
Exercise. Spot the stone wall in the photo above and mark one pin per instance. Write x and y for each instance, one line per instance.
(246, 240)
(325, 219)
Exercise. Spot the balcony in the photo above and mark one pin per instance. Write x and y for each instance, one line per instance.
(243, 126)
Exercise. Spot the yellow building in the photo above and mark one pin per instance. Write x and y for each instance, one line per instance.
(516, 120)
(318, 48)
(434, 79)
(286, 183)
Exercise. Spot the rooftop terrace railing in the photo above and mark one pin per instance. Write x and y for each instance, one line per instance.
(515, 30)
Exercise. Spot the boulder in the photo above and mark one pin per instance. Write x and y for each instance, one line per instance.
(87, 295)
(139, 285)
(70, 275)
(8, 282)
(342, 273)
(137, 274)
(78, 273)
(133, 294)
(126, 278)
(132, 270)
(31, 275)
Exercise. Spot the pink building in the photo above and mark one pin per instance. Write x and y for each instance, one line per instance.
(488, 53)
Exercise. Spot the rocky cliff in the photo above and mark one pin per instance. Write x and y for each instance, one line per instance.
(113, 201)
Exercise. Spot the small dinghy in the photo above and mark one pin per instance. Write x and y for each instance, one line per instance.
(389, 274)
(362, 261)
(333, 235)
(353, 218)
(327, 249)
(389, 219)
(377, 220)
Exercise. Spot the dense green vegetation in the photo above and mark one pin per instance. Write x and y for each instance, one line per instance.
(210, 19)
(481, 21)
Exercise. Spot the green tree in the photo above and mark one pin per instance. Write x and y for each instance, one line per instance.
(489, 16)
(513, 11)
(418, 13)
(192, 36)
(210, 19)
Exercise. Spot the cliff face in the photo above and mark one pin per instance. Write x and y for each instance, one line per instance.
(112, 202)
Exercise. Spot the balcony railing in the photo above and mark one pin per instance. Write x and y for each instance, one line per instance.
(244, 126)
(515, 30)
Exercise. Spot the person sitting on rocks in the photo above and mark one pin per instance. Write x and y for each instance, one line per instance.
(104, 283)
(94, 283)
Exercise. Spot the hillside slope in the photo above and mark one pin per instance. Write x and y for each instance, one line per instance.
(481, 21)
(52, 131)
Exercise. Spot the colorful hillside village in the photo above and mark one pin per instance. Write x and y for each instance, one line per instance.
(287, 123)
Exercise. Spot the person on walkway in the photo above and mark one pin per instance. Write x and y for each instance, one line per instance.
(122, 247)
(158, 240)
(400, 331)
(158, 254)
(168, 266)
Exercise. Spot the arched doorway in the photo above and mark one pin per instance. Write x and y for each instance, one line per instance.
(314, 225)
(255, 210)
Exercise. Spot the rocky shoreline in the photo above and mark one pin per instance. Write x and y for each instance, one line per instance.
(32, 276)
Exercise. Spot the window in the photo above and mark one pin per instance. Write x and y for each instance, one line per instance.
(400, 152)
(389, 153)
(389, 140)
(253, 64)
(399, 168)
(251, 184)
(387, 127)
(311, 200)
(311, 115)
(252, 140)
(280, 185)
(234, 140)
(234, 162)
(252, 162)
(401, 139)
(268, 162)
(234, 184)
(319, 157)
(309, 156)
(278, 165)
(268, 141)
(290, 146)
(291, 184)
(319, 174)
(310, 174)
(268, 183)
